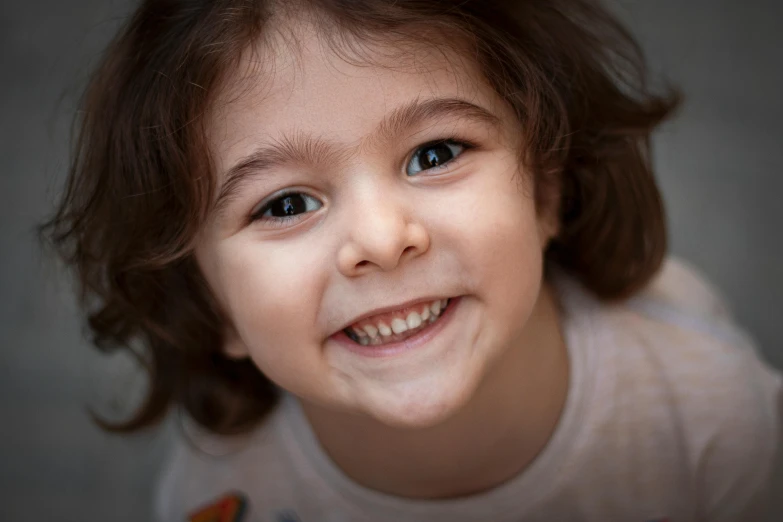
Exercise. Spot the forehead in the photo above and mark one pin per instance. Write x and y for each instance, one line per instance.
(293, 82)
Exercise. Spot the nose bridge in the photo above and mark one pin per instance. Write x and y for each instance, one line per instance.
(381, 227)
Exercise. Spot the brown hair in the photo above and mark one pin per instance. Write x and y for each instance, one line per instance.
(141, 183)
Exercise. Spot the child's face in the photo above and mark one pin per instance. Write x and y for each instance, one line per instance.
(370, 228)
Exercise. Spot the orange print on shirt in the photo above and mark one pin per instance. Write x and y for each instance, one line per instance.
(229, 508)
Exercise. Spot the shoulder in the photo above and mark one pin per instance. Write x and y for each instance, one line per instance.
(201, 469)
(680, 328)
(681, 288)
(687, 333)
(725, 399)
(684, 325)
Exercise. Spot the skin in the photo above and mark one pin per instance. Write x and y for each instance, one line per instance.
(474, 406)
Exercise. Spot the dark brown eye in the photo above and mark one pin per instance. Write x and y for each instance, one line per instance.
(287, 206)
(433, 155)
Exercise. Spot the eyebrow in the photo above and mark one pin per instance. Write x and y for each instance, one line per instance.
(307, 149)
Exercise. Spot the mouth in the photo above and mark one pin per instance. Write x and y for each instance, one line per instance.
(397, 326)
(398, 331)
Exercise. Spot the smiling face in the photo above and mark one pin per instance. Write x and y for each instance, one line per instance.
(351, 189)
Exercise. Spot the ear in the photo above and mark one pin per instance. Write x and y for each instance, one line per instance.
(548, 226)
(233, 345)
(549, 201)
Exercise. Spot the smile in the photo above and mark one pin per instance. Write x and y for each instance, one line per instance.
(396, 326)
(376, 336)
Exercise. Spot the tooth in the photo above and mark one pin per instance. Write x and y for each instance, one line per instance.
(413, 320)
(398, 326)
(385, 330)
(364, 341)
(444, 303)
(435, 307)
(425, 314)
(371, 330)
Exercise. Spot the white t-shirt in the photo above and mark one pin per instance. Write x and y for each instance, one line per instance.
(670, 416)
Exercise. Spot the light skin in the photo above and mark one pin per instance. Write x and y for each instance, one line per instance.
(476, 404)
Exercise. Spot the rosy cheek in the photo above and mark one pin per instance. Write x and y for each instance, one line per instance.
(266, 288)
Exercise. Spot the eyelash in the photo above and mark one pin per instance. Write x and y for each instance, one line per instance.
(278, 221)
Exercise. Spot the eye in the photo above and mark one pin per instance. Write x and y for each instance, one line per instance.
(434, 155)
(286, 207)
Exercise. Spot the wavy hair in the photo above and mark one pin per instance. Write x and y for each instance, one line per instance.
(141, 181)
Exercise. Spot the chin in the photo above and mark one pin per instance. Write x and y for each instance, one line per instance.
(419, 405)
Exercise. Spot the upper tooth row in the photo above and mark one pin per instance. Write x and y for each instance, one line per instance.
(399, 325)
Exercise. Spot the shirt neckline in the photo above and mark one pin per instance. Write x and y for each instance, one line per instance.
(511, 500)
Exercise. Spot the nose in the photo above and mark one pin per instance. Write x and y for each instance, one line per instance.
(384, 232)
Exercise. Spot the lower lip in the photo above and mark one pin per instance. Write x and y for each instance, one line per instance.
(411, 343)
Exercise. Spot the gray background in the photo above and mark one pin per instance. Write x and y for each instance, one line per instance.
(720, 166)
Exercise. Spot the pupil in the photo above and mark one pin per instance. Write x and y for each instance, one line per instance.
(289, 206)
(436, 155)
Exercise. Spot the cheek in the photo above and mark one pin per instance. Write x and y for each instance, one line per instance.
(511, 254)
(501, 247)
(496, 220)
(271, 294)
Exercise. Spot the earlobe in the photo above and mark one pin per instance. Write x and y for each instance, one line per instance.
(233, 345)
(549, 224)
(548, 230)
(549, 214)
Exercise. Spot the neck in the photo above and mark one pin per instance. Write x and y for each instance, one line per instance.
(494, 437)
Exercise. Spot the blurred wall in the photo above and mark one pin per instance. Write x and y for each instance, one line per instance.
(720, 165)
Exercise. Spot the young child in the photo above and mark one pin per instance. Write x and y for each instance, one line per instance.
(405, 261)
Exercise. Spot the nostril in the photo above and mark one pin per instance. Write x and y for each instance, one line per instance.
(363, 263)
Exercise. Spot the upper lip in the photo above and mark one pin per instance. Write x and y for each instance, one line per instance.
(392, 308)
